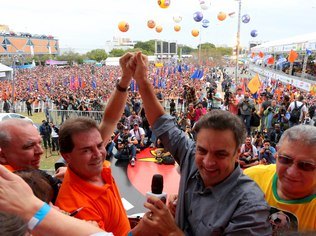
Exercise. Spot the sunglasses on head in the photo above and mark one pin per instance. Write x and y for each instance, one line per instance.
(302, 165)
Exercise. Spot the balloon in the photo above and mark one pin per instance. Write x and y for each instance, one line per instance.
(202, 2)
(158, 28)
(164, 3)
(205, 23)
(254, 33)
(177, 19)
(204, 6)
(151, 24)
(198, 16)
(221, 16)
(195, 33)
(177, 28)
(123, 26)
(245, 18)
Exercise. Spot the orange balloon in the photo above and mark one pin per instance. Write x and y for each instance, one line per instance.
(151, 24)
(195, 33)
(123, 26)
(158, 29)
(177, 28)
(221, 16)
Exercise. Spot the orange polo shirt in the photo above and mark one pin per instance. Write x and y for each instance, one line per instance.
(10, 168)
(100, 203)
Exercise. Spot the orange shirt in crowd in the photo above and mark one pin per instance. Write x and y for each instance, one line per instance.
(101, 204)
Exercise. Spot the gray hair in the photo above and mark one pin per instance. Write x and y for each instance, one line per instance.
(12, 225)
(6, 127)
(303, 133)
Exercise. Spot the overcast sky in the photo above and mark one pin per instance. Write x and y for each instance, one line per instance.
(85, 25)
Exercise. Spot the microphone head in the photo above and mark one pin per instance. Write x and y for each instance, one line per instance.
(157, 184)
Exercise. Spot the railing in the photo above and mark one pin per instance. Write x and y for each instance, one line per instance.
(20, 106)
(59, 116)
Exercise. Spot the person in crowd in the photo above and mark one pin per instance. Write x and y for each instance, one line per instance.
(266, 102)
(28, 104)
(82, 145)
(200, 111)
(172, 105)
(217, 100)
(289, 186)
(208, 173)
(54, 135)
(239, 95)
(271, 115)
(267, 153)
(31, 209)
(126, 146)
(283, 118)
(6, 106)
(139, 134)
(132, 119)
(275, 135)
(45, 131)
(245, 106)
(191, 114)
(248, 154)
(297, 110)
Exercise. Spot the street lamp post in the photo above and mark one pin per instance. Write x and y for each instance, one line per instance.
(238, 40)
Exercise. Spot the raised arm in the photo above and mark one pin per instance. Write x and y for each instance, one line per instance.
(150, 102)
(116, 104)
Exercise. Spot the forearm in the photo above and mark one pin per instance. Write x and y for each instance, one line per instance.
(64, 224)
(113, 111)
(151, 104)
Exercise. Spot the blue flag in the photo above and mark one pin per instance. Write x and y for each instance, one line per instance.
(308, 52)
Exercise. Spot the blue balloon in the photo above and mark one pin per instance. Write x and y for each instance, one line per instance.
(205, 23)
(254, 33)
(245, 18)
(198, 16)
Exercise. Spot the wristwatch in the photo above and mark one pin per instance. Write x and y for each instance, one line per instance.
(119, 88)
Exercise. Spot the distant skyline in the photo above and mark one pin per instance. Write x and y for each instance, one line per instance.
(87, 25)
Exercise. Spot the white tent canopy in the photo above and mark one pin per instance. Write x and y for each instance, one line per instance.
(5, 72)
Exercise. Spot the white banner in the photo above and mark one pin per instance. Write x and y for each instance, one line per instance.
(2, 74)
(281, 77)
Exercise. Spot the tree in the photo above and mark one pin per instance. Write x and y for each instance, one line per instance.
(148, 46)
(97, 54)
(71, 57)
(117, 52)
(187, 50)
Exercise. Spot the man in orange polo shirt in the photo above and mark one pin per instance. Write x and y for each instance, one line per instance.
(88, 184)
(20, 144)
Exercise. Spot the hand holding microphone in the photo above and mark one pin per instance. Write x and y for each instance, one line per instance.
(157, 187)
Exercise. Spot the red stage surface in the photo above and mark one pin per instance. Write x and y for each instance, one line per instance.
(141, 174)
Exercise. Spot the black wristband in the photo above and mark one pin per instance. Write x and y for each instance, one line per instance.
(119, 88)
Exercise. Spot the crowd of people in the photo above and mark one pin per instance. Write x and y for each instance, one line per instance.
(247, 165)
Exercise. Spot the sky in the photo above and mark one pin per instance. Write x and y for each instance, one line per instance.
(86, 25)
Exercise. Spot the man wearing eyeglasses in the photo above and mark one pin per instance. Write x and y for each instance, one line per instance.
(290, 185)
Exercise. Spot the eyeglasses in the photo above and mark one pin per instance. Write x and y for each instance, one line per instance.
(302, 165)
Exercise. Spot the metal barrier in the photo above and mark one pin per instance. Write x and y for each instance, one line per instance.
(59, 116)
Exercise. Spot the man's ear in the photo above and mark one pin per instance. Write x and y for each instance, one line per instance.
(67, 157)
(237, 153)
(3, 159)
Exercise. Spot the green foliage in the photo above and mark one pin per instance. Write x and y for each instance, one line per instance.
(148, 46)
(117, 52)
(97, 55)
(207, 45)
(187, 50)
(71, 57)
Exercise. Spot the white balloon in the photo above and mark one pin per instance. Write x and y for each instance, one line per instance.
(177, 19)
(204, 6)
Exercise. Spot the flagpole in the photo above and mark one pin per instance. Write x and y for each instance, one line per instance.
(304, 65)
(238, 40)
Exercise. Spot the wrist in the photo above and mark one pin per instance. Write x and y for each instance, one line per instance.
(39, 215)
(121, 87)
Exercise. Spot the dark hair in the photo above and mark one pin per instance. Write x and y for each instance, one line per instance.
(223, 120)
(73, 126)
(44, 186)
